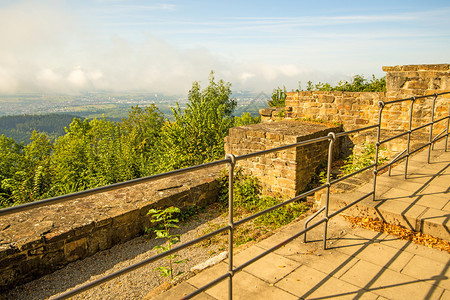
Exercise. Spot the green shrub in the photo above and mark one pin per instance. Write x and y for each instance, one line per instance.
(248, 199)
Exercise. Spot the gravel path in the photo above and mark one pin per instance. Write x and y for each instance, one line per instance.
(133, 285)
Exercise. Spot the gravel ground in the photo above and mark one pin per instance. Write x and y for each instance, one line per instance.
(133, 285)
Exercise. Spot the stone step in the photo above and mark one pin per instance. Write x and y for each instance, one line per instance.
(420, 203)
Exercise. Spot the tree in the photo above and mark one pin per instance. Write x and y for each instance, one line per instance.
(10, 162)
(91, 154)
(246, 119)
(70, 157)
(197, 134)
(278, 97)
(30, 178)
(141, 134)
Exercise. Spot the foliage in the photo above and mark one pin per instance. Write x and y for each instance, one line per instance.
(197, 134)
(246, 119)
(358, 84)
(281, 216)
(28, 177)
(11, 155)
(164, 221)
(278, 98)
(141, 135)
(248, 199)
(358, 161)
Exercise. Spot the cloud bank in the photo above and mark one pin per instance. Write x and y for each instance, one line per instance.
(62, 46)
(46, 48)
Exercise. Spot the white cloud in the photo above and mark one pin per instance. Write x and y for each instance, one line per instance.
(45, 50)
(78, 78)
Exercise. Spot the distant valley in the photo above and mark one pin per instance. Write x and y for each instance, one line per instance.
(23, 113)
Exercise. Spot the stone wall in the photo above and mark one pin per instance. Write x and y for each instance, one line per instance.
(41, 240)
(357, 109)
(353, 110)
(286, 172)
(417, 80)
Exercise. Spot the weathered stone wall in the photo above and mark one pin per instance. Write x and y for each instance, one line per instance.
(286, 172)
(357, 109)
(417, 80)
(353, 110)
(41, 240)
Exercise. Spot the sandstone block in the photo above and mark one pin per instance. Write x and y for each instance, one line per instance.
(75, 249)
(325, 98)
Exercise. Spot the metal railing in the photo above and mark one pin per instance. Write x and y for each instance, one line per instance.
(231, 160)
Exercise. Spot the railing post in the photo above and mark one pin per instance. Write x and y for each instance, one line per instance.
(232, 159)
(332, 136)
(377, 145)
(409, 135)
(448, 125)
(431, 146)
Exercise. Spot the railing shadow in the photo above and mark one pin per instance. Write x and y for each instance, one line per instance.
(360, 291)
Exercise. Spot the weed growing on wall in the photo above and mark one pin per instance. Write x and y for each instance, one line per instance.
(248, 199)
(357, 161)
(364, 159)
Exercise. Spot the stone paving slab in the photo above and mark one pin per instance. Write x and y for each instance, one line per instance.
(358, 264)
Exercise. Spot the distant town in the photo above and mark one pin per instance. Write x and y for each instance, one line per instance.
(113, 106)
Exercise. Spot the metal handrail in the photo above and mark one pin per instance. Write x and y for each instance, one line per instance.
(64, 198)
(231, 161)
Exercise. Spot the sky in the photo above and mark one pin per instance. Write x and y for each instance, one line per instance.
(75, 46)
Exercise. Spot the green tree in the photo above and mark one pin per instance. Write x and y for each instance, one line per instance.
(91, 154)
(278, 98)
(70, 157)
(32, 176)
(246, 119)
(197, 134)
(11, 161)
(141, 134)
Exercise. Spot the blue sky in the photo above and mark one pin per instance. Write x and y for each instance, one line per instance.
(163, 46)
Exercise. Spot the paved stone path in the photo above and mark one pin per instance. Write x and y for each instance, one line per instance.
(359, 264)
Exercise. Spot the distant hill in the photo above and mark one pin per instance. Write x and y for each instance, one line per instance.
(20, 127)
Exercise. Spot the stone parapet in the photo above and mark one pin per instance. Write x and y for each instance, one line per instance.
(287, 172)
(41, 240)
(353, 110)
(416, 80)
(357, 109)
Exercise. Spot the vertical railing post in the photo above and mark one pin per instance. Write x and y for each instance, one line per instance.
(431, 146)
(409, 135)
(377, 145)
(332, 136)
(232, 159)
(448, 125)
